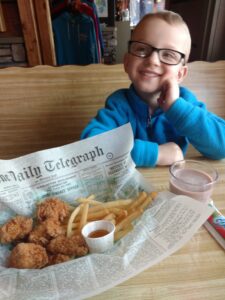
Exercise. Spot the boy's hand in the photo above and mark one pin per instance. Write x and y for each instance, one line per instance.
(168, 154)
(169, 93)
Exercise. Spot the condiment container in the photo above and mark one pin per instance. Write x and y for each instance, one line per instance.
(99, 235)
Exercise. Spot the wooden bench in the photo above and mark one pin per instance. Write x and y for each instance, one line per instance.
(44, 107)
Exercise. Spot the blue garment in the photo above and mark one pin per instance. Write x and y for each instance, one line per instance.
(186, 121)
(75, 39)
(93, 6)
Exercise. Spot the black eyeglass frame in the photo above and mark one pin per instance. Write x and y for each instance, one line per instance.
(157, 50)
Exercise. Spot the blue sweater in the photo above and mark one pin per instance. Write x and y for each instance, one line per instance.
(186, 121)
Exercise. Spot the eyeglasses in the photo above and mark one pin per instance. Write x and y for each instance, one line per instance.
(166, 56)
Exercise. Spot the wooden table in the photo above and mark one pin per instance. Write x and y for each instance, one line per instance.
(45, 107)
(196, 271)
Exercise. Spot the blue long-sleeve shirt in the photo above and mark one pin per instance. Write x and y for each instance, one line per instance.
(186, 121)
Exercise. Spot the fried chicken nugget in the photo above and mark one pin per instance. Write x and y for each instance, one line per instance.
(72, 246)
(28, 256)
(57, 259)
(52, 208)
(15, 229)
(45, 231)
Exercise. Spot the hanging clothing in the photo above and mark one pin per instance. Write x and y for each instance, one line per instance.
(75, 39)
(92, 4)
(89, 9)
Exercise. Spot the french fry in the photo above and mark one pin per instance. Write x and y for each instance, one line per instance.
(118, 211)
(71, 220)
(89, 200)
(113, 221)
(75, 225)
(76, 231)
(121, 203)
(123, 214)
(137, 201)
(85, 200)
(92, 217)
(130, 218)
(119, 234)
(153, 195)
(97, 215)
(118, 203)
(97, 208)
(146, 202)
(110, 217)
(84, 214)
(95, 211)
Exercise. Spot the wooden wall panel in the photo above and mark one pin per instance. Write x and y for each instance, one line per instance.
(44, 25)
(30, 31)
(2, 20)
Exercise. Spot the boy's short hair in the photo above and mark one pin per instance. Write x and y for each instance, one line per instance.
(166, 15)
(171, 18)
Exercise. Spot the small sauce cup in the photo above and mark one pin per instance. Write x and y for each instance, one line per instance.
(99, 235)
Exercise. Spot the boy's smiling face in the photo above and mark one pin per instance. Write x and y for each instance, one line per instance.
(148, 74)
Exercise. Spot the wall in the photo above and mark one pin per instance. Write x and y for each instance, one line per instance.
(206, 22)
(12, 48)
(123, 36)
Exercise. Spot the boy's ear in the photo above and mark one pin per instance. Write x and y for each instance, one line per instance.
(182, 73)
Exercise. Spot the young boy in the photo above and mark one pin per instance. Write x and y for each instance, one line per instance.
(164, 117)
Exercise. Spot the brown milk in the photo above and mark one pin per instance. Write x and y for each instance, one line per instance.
(192, 183)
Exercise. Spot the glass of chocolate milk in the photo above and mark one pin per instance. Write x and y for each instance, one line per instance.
(193, 178)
